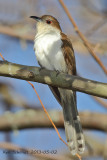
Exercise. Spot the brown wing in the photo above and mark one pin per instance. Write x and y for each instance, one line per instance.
(69, 57)
(68, 54)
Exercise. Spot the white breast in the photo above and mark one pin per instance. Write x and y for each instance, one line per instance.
(48, 51)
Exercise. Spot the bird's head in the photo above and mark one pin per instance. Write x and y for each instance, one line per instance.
(46, 23)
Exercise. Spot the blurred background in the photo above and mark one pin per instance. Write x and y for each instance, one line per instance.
(17, 32)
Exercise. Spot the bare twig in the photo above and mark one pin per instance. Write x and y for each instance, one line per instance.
(98, 25)
(102, 102)
(83, 38)
(2, 57)
(96, 47)
(12, 32)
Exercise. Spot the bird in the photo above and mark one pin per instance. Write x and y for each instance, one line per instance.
(54, 51)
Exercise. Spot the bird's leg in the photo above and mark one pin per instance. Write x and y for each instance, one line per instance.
(57, 73)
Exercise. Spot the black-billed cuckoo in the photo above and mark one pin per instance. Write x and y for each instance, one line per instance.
(54, 51)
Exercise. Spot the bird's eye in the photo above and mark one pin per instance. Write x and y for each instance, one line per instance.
(48, 21)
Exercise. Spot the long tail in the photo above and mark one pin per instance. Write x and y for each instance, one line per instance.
(73, 129)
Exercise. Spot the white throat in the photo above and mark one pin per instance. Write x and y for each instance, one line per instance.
(48, 50)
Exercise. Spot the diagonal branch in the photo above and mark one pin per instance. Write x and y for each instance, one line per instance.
(53, 78)
(100, 101)
(83, 38)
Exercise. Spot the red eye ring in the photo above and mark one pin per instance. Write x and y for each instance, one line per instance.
(48, 21)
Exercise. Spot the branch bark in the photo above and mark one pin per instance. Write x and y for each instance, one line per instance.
(53, 78)
(37, 119)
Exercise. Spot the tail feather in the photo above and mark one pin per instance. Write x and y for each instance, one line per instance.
(73, 129)
(79, 136)
(70, 130)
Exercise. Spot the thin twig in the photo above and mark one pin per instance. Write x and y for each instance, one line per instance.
(12, 32)
(83, 37)
(2, 57)
(96, 47)
(96, 26)
(100, 101)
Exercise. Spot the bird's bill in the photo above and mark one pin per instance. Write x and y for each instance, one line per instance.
(36, 18)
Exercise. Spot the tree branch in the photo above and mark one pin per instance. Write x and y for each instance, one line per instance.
(85, 41)
(37, 119)
(54, 78)
(14, 33)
